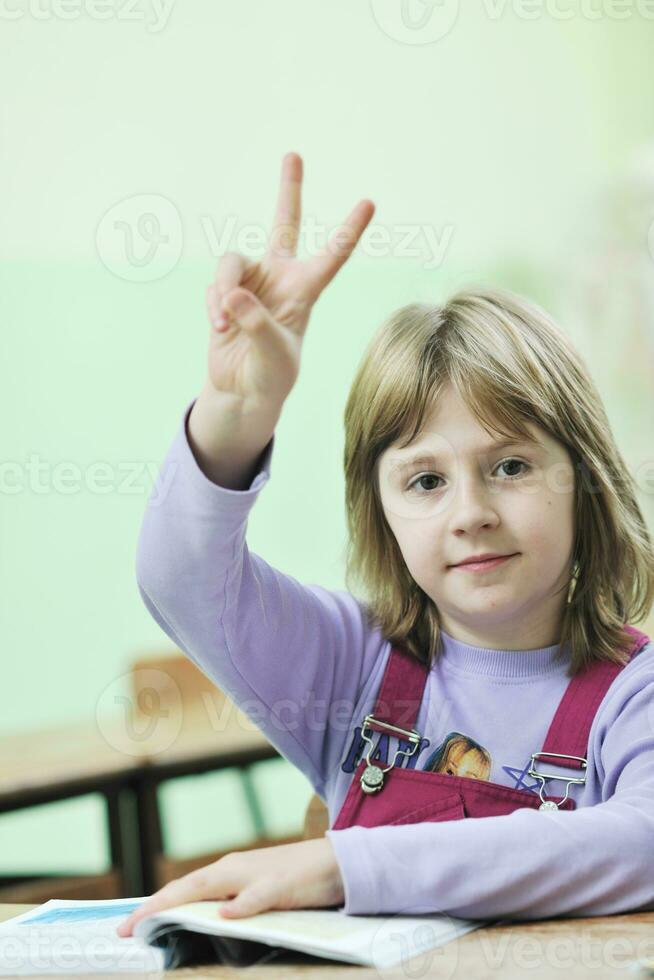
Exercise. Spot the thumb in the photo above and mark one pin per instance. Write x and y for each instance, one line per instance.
(244, 307)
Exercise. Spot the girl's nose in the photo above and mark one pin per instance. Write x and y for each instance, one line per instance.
(473, 507)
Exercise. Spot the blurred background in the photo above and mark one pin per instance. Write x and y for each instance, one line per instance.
(506, 142)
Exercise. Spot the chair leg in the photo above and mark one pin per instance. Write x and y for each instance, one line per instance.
(253, 802)
(149, 833)
(122, 825)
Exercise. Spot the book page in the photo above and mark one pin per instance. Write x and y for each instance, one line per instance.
(67, 937)
(379, 941)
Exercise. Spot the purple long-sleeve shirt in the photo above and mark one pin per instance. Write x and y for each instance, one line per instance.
(301, 661)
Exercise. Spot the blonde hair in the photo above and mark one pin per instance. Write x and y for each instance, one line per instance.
(512, 365)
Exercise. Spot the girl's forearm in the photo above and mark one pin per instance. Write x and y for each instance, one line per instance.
(227, 438)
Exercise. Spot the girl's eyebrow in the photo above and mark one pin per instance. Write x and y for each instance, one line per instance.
(425, 459)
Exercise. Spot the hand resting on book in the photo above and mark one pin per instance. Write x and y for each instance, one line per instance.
(286, 876)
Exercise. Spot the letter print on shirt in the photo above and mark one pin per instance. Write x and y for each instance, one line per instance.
(358, 746)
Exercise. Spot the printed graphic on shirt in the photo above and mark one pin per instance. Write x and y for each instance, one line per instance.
(460, 755)
(457, 755)
(521, 778)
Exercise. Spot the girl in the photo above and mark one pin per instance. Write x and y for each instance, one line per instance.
(495, 529)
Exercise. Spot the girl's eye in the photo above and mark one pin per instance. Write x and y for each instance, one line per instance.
(424, 491)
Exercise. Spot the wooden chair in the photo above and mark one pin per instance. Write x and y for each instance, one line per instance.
(176, 683)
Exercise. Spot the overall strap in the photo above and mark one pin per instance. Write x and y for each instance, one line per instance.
(570, 727)
(401, 691)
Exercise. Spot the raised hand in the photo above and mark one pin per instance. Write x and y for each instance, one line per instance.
(259, 310)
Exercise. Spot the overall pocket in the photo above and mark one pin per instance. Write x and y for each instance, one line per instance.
(449, 807)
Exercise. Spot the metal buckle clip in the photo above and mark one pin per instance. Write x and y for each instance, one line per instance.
(542, 776)
(372, 778)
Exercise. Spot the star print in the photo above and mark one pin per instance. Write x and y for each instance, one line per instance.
(519, 776)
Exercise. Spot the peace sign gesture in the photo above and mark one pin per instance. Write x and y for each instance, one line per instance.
(259, 310)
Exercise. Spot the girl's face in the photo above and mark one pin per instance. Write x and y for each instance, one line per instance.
(470, 494)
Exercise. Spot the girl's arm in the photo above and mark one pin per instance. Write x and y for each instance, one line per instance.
(283, 651)
(294, 657)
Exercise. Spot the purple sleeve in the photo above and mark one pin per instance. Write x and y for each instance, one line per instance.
(530, 864)
(293, 657)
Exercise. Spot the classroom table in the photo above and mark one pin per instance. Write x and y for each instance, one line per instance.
(72, 760)
(553, 949)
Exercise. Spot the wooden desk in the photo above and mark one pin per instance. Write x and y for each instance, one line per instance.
(126, 763)
(557, 949)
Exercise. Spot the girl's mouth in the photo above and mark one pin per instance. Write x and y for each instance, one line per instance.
(485, 566)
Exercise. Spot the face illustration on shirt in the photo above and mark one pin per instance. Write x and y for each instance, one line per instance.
(470, 495)
(460, 755)
(470, 764)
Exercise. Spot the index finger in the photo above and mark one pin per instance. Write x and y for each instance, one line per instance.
(286, 226)
(189, 888)
(342, 243)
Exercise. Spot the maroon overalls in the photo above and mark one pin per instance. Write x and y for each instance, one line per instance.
(400, 796)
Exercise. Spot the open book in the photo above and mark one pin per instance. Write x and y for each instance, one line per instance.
(80, 937)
